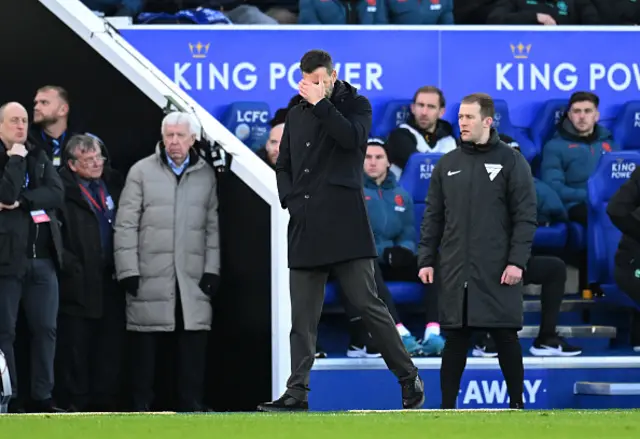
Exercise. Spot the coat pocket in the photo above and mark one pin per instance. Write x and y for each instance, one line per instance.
(343, 181)
(6, 248)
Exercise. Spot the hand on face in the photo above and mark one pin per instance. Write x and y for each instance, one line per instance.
(311, 92)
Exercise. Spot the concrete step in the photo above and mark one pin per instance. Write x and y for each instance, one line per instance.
(606, 389)
(567, 305)
(573, 331)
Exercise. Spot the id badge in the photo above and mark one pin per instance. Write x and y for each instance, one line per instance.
(110, 204)
(56, 162)
(40, 216)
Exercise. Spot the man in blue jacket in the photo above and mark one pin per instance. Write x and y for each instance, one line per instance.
(392, 219)
(571, 156)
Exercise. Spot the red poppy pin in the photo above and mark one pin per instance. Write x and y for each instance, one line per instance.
(399, 200)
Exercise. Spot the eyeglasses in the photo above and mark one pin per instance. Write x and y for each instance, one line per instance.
(91, 161)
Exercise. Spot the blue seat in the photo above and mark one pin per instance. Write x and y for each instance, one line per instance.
(545, 121)
(551, 236)
(401, 292)
(395, 113)
(418, 213)
(415, 180)
(577, 239)
(416, 175)
(249, 122)
(502, 123)
(626, 126)
(603, 237)
(331, 294)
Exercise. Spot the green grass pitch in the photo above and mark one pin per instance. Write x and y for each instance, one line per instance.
(437, 424)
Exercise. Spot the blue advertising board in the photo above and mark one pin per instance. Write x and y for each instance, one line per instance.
(221, 65)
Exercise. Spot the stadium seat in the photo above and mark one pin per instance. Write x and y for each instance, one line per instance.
(551, 236)
(416, 175)
(402, 293)
(415, 180)
(544, 122)
(577, 239)
(418, 213)
(394, 114)
(249, 121)
(502, 123)
(603, 237)
(626, 126)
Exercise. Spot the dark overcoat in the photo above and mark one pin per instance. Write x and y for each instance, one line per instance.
(480, 216)
(319, 173)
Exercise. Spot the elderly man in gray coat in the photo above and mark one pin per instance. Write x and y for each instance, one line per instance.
(167, 258)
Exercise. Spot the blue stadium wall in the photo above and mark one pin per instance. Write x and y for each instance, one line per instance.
(525, 68)
(39, 50)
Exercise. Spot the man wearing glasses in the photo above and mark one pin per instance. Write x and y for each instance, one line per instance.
(91, 318)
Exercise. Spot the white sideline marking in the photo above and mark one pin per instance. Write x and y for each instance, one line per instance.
(92, 414)
(434, 410)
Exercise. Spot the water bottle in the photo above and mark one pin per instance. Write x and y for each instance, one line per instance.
(5, 385)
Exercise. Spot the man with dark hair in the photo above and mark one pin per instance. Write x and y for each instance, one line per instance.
(269, 153)
(90, 323)
(319, 176)
(476, 235)
(50, 129)
(571, 156)
(425, 131)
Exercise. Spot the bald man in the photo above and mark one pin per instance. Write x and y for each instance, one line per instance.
(30, 253)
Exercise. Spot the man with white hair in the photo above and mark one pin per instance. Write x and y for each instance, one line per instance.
(167, 258)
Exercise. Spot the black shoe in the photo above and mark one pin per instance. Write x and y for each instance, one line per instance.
(516, 405)
(413, 393)
(285, 403)
(45, 406)
(16, 406)
(553, 346)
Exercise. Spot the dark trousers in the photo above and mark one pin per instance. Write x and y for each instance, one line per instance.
(38, 293)
(357, 281)
(90, 355)
(454, 360)
(387, 273)
(409, 273)
(578, 214)
(551, 273)
(383, 293)
(627, 281)
(190, 352)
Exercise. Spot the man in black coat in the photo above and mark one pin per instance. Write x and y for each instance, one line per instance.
(476, 235)
(30, 253)
(91, 327)
(320, 181)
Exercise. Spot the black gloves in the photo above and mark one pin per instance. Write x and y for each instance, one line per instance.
(131, 284)
(399, 257)
(209, 284)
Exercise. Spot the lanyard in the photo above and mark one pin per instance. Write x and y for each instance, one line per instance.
(92, 200)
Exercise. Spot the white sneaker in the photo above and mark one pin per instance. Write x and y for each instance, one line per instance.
(357, 352)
